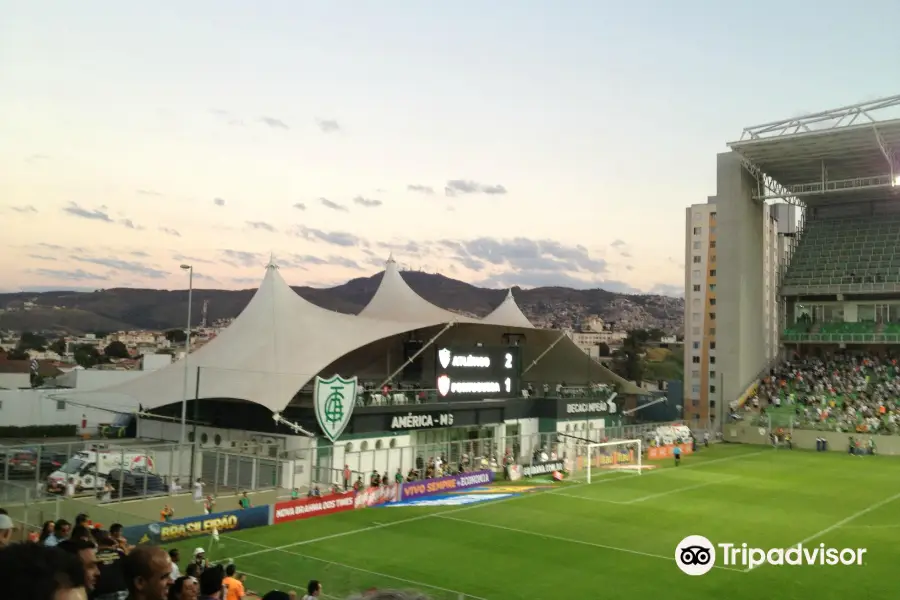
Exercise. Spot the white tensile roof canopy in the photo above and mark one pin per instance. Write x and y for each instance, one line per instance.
(281, 341)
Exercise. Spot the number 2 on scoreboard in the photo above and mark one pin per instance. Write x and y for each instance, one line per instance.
(508, 363)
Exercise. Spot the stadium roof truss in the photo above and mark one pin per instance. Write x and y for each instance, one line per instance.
(839, 155)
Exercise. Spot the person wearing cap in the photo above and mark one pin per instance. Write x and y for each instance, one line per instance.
(200, 559)
(6, 530)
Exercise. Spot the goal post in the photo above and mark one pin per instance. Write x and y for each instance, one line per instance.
(618, 455)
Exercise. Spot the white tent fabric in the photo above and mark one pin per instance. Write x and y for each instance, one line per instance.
(508, 314)
(272, 349)
(394, 300)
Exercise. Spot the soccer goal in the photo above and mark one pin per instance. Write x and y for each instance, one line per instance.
(618, 455)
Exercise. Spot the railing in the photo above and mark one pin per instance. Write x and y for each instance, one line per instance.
(431, 396)
(845, 338)
(795, 421)
(835, 286)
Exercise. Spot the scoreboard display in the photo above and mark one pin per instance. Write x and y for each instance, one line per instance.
(477, 372)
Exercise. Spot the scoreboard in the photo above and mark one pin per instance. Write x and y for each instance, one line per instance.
(477, 372)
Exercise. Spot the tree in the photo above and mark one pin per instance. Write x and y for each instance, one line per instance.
(602, 349)
(628, 361)
(176, 336)
(87, 356)
(32, 341)
(17, 354)
(59, 346)
(116, 349)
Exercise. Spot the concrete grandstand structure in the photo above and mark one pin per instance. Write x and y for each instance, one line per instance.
(841, 284)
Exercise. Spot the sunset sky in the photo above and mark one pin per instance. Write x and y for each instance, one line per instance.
(504, 143)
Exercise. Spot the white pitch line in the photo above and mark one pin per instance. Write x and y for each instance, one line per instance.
(838, 525)
(368, 572)
(333, 536)
(557, 538)
(682, 489)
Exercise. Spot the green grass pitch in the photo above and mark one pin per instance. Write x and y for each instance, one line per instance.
(613, 539)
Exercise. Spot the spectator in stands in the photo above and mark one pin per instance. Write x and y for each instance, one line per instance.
(146, 569)
(6, 530)
(234, 584)
(86, 552)
(200, 559)
(35, 572)
(60, 532)
(175, 557)
(46, 531)
(211, 583)
(82, 519)
(347, 475)
(209, 505)
(111, 582)
(184, 588)
(81, 532)
(313, 590)
(244, 502)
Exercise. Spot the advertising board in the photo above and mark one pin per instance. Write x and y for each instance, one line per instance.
(304, 508)
(542, 468)
(442, 485)
(191, 527)
(662, 452)
(477, 372)
(384, 494)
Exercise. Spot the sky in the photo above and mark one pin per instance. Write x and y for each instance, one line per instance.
(504, 143)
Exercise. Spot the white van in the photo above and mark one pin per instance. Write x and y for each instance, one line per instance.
(89, 468)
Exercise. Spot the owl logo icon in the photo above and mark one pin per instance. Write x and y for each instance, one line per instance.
(444, 356)
(443, 385)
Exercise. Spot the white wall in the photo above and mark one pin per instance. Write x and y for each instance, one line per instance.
(14, 381)
(375, 454)
(19, 408)
(528, 434)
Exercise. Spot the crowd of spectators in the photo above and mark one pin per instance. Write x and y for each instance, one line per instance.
(843, 392)
(84, 562)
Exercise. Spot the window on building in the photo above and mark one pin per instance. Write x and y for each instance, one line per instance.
(696, 287)
(696, 260)
(695, 331)
(695, 374)
(695, 360)
(712, 258)
(712, 302)
(695, 316)
(695, 345)
(712, 316)
(698, 230)
(696, 245)
(712, 287)
(712, 272)
(712, 345)
(712, 360)
(712, 374)
(696, 273)
(712, 331)
(712, 389)
(712, 403)
(695, 388)
(712, 215)
(712, 244)
(695, 403)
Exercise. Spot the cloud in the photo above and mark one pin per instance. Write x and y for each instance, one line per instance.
(181, 258)
(35, 158)
(99, 214)
(459, 187)
(261, 226)
(509, 279)
(332, 205)
(148, 193)
(42, 257)
(139, 253)
(368, 203)
(328, 125)
(530, 255)
(618, 244)
(203, 277)
(239, 258)
(301, 260)
(75, 275)
(335, 238)
(169, 231)
(254, 281)
(129, 224)
(227, 117)
(219, 201)
(24, 209)
(124, 265)
(299, 206)
(274, 123)
(420, 189)
(625, 254)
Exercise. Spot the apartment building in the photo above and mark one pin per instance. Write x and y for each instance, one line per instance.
(703, 381)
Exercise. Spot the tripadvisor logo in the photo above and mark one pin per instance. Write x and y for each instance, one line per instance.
(696, 555)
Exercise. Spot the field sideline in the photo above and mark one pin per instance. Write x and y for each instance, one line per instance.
(615, 537)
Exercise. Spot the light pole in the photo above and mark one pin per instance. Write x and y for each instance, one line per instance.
(187, 351)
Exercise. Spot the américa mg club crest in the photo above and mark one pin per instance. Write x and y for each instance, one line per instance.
(334, 399)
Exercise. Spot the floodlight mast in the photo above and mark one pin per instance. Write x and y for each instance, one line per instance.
(291, 425)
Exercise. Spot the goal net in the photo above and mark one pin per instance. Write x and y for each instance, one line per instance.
(618, 455)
